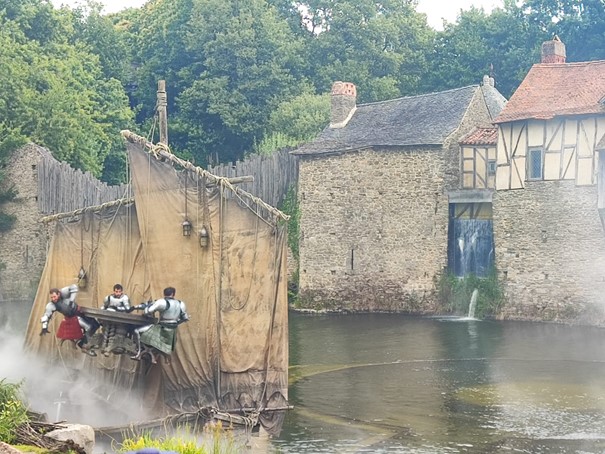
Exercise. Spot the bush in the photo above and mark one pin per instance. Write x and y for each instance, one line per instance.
(13, 412)
(215, 441)
(455, 294)
(291, 208)
(274, 142)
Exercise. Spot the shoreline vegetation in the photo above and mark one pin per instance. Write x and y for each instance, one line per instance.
(20, 430)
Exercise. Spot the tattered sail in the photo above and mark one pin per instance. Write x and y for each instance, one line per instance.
(233, 354)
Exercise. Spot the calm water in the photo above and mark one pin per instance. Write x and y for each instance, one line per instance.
(391, 383)
(395, 384)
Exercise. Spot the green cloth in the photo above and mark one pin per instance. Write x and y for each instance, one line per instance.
(160, 337)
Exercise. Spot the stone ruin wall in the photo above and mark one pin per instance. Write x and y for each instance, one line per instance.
(23, 247)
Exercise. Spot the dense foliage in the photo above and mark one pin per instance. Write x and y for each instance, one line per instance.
(214, 440)
(455, 294)
(291, 207)
(244, 76)
(55, 92)
(13, 412)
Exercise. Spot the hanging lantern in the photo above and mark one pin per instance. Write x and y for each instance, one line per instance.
(204, 236)
(186, 227)
(82, 278)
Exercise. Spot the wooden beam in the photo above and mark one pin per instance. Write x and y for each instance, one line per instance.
(78, 212)
(237, 180)
(162, 102)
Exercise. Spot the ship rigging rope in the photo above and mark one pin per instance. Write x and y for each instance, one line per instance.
(279, 251)
(146, 271)
(95, 248)
(219, 291)
(198, 252)
(162, 150)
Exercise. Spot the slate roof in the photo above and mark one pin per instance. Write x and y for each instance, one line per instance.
(414, 120)
(480, 136)
(556, 89)
(494, 100)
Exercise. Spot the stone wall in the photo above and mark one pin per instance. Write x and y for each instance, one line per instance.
(373, 229)
(374, 224)
(24, 246)
(550, 252)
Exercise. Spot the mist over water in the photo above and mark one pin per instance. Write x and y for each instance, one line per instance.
(63, 394)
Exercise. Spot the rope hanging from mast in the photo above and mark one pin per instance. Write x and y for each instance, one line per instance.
(161, 150)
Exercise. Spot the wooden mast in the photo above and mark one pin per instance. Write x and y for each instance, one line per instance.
(162, 102)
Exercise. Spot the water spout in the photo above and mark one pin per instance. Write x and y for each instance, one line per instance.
(59, 403)
(473, 304)
(461, 248)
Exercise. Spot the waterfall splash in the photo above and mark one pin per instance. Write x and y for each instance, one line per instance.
(473, 304)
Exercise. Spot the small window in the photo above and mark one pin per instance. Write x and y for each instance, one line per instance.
(535, 164)
(491, 167)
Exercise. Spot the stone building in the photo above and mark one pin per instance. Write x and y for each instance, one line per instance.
(550, 243)
(375, 190)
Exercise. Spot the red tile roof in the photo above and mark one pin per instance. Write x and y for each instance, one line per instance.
(551, 90)
(480, 136)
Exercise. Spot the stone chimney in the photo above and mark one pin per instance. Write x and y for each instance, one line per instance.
(553, 51)
(344, 102)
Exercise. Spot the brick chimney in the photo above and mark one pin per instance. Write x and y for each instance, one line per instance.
(344, 102)
(553, 51)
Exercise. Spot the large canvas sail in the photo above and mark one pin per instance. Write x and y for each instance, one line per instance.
(107, 245)
(232, 355)
(234, 351)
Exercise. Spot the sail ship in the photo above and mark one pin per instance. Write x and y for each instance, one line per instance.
(223, 249)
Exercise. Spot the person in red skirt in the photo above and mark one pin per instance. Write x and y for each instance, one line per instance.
(75, 326)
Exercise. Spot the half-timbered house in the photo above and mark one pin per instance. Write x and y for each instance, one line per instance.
(550, 244)
(470, 229)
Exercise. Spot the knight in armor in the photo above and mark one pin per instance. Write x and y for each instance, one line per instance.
(117, 301)
(161, 336)
(75, 325)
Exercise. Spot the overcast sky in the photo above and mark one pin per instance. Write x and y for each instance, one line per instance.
(434, 9)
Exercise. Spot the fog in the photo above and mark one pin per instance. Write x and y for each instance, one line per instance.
(61, 394)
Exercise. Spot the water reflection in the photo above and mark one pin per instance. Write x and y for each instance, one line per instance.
(390, 383)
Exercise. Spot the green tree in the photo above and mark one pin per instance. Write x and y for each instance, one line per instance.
(503, 44)
(579, 23)
(157, 33)
(302, 117)
(105, 37)
(9, 141)
(248, 62)
(380, 46)
(57, 96)
(37, 20)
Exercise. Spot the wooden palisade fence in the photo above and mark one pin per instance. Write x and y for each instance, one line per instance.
(273, 174)
(62, 188)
